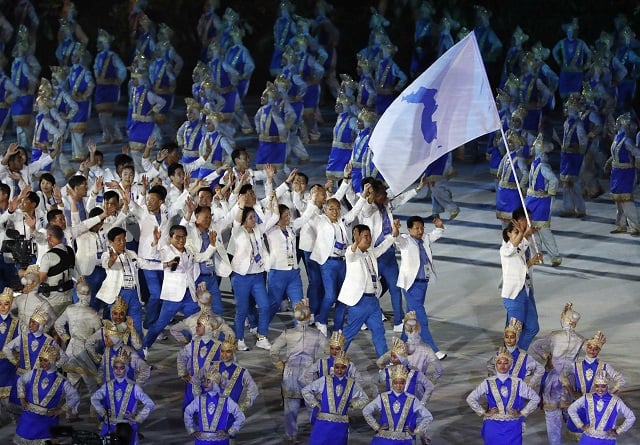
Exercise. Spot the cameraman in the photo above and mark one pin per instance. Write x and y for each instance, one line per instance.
(56, 270)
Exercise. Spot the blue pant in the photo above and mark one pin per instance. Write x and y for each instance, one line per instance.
(245, 286)
(212, 286)
(523, 308)
(154, 285)
(366, 311)
(94, 280)
(8, 274)
(130, 296)
(333, 273)
(416, 296)
(314, 291)
(388, 268)
(283, 283)
(168, 311)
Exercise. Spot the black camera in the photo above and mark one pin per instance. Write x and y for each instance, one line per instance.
(22, 250)
(174, 263)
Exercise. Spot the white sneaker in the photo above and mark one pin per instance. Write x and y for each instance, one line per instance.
(363, 327)
(254, 331)
(263, 343)
(312, 319)
(398, 328)
(162, 337)
(145, 352)
(321, 327)
(383, 317)
(441, 355)
(242, 346)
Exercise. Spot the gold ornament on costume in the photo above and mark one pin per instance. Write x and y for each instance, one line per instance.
(282, 82)
(110, 328)
(399, 372)
(342, 358)
(540, 51)
(348, 82)
(337, 339)
(503, 353)
(214, 376)
(598, 340)
(519, 35)
(601, 378)
(104, 36)
(123, 357)
(230, 341)
(192, 104)
(49, 352)
(7, 295)
(514, 325)
(399, 347)
(367, 116)
(301, 310)
(411, 322)
(569, 315)
(40, 316)
(119, 305)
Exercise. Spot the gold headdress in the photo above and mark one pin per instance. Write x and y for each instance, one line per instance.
(569, 315)
(512, 83)
(426, 8)
(573, 25)
(40, 316)
(205, 318)
(540, 51)
(7, 295)
(230, 16)
(109, 328)
(212, 115)
(624, 120)
(503, 353)
(514, 325)
(519, 113)
(598, 340)
(164, 32)
(270, 90)
(411, 322)
(65, 27)
(343, 99)
(337, 339)
(481, 11)
(213, 375)
(519, 35)
(601, 377)
(464, 31)
(543, 147)
(503, 97)
(200, 68)
(363, 61)
(22, 40)
(120, 305)
(399, 347)
(348, 82)
(367, 116)
(282, 82)
(399, 372)
(301, 310)
(58, 72)
(342, 358)
(104, 36)
(192, 104)
(230, 341)
(627, 32)
(49, 352)
(123, 357)
(207, 82)
(574, 102)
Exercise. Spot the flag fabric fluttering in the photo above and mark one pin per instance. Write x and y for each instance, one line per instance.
(451, 103)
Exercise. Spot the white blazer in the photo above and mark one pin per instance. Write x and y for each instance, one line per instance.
(410, 256)
(241, 261)
(222, 266)
(112, 284)
(514, 268)
(326, 237)
(357, 276)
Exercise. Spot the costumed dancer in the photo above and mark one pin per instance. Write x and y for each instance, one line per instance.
(211, 418)
(214, 142)
(239, 58)
(26, 80)
(190, 135)
(597, 414)
(344, 134)
(138, 370)
(8, 331)
(506, 409)
(117, 401)
(162, 80)
(9, 92)
(488, 42)
(284, 30)
(573, 56)
(225, 79)
(402, 416)
(311, 71)
(366, 121)
(81, 86)
(109, 72)
(423, 51)
(273, 121)
(559, 351)
(41, 392)
(543, 185)
(330, 398)
(209, 26)
(574, 146)
(389, 78)
(301, 346)
(622, 165)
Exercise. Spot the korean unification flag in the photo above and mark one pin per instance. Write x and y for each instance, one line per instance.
(450, 104)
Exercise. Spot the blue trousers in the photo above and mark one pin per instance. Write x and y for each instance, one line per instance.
(523, 308)
(333, 273)
(130, 296)
(94, 280)
(154, 286)
(216, 296)
(388, 268)
(168, 311)
(416, 297)
(315, 290)
(245, 286)
(366, 311)
(281, 283)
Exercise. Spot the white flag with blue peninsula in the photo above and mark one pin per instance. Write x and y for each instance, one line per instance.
(450, 104)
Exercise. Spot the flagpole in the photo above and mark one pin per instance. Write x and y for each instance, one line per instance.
(515, 176)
